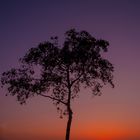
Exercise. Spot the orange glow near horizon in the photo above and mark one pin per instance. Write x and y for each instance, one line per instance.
(104, 126)
(106, 132)
(99, 131)
(103, 135)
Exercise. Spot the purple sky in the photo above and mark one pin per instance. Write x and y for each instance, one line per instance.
(25, 23)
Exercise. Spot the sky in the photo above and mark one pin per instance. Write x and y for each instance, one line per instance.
(113, 116)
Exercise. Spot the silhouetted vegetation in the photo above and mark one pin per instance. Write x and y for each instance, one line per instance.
(57, 72)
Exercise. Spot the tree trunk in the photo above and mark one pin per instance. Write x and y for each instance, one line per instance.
(68, 107)
(68, 125)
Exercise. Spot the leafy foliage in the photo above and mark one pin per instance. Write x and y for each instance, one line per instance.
(61, 70)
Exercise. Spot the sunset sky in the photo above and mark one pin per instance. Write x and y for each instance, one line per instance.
(113, 116)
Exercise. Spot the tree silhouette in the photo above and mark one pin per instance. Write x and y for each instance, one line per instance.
(57, 73)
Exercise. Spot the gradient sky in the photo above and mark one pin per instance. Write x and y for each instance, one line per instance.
(113, 116)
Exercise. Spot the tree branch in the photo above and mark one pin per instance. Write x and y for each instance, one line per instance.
(52, 98)
(76, 79)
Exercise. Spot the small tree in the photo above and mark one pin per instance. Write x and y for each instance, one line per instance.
(58, 72)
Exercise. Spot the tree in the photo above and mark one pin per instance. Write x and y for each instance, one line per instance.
(57, 73)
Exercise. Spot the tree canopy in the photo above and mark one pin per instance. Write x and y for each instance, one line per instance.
(57, 72)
